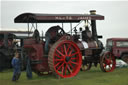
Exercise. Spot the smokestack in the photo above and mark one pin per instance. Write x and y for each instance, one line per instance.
(93, 25)
(92, 12)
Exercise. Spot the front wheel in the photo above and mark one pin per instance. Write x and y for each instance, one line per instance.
(107, 62)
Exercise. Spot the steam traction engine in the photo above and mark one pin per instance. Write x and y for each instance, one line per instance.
(59, 52)
(6, 49)
(8, 45)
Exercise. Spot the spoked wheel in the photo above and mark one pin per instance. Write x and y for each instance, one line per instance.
(107, 62)
(65, 59)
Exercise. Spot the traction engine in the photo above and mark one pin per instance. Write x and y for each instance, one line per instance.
(61, 53)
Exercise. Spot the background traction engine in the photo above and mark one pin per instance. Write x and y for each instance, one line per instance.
(7, 47)
(63, 57)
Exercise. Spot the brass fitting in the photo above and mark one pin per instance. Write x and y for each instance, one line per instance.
(92, 12)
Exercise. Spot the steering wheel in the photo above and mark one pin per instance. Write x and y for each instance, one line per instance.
(54, 33)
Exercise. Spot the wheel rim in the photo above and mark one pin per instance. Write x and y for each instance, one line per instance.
(108, 62)
(66, 59)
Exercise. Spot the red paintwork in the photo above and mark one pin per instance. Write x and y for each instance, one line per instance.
(118, 51)
(35, 52)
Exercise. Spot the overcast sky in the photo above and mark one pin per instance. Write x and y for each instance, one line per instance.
(115, 12)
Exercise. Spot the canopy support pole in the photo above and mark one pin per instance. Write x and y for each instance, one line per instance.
(71, 27)
(28, 29)
(62, 25)
(36, 25)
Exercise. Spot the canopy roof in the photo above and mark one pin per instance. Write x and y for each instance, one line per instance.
(118, 39)
(16, 32)
(55, 18)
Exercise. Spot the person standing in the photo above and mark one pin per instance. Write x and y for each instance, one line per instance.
(16, 67)
(28, 68)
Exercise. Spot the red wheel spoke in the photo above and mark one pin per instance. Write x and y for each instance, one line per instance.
(74, 54)
(59, 52)
(62, 70)
(68, 47)
(57, 64)
(104, 65)
(59, 59)
(70, 52)
(58, 56)
(110, 57)
(60, 66)
(62, 49)
(65, 50)
(73, 58)
(69, 69)
(71, 65)
(74, 63)
(65, 69)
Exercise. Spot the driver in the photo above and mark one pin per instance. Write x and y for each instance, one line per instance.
(51, 35)
(36, 35)
(86, 34)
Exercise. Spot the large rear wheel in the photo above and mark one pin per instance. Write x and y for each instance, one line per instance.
(107, 62)
(65, 59)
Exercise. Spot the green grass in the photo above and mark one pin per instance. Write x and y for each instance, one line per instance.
(92, 77)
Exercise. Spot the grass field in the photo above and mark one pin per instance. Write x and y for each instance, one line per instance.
(92, 77)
